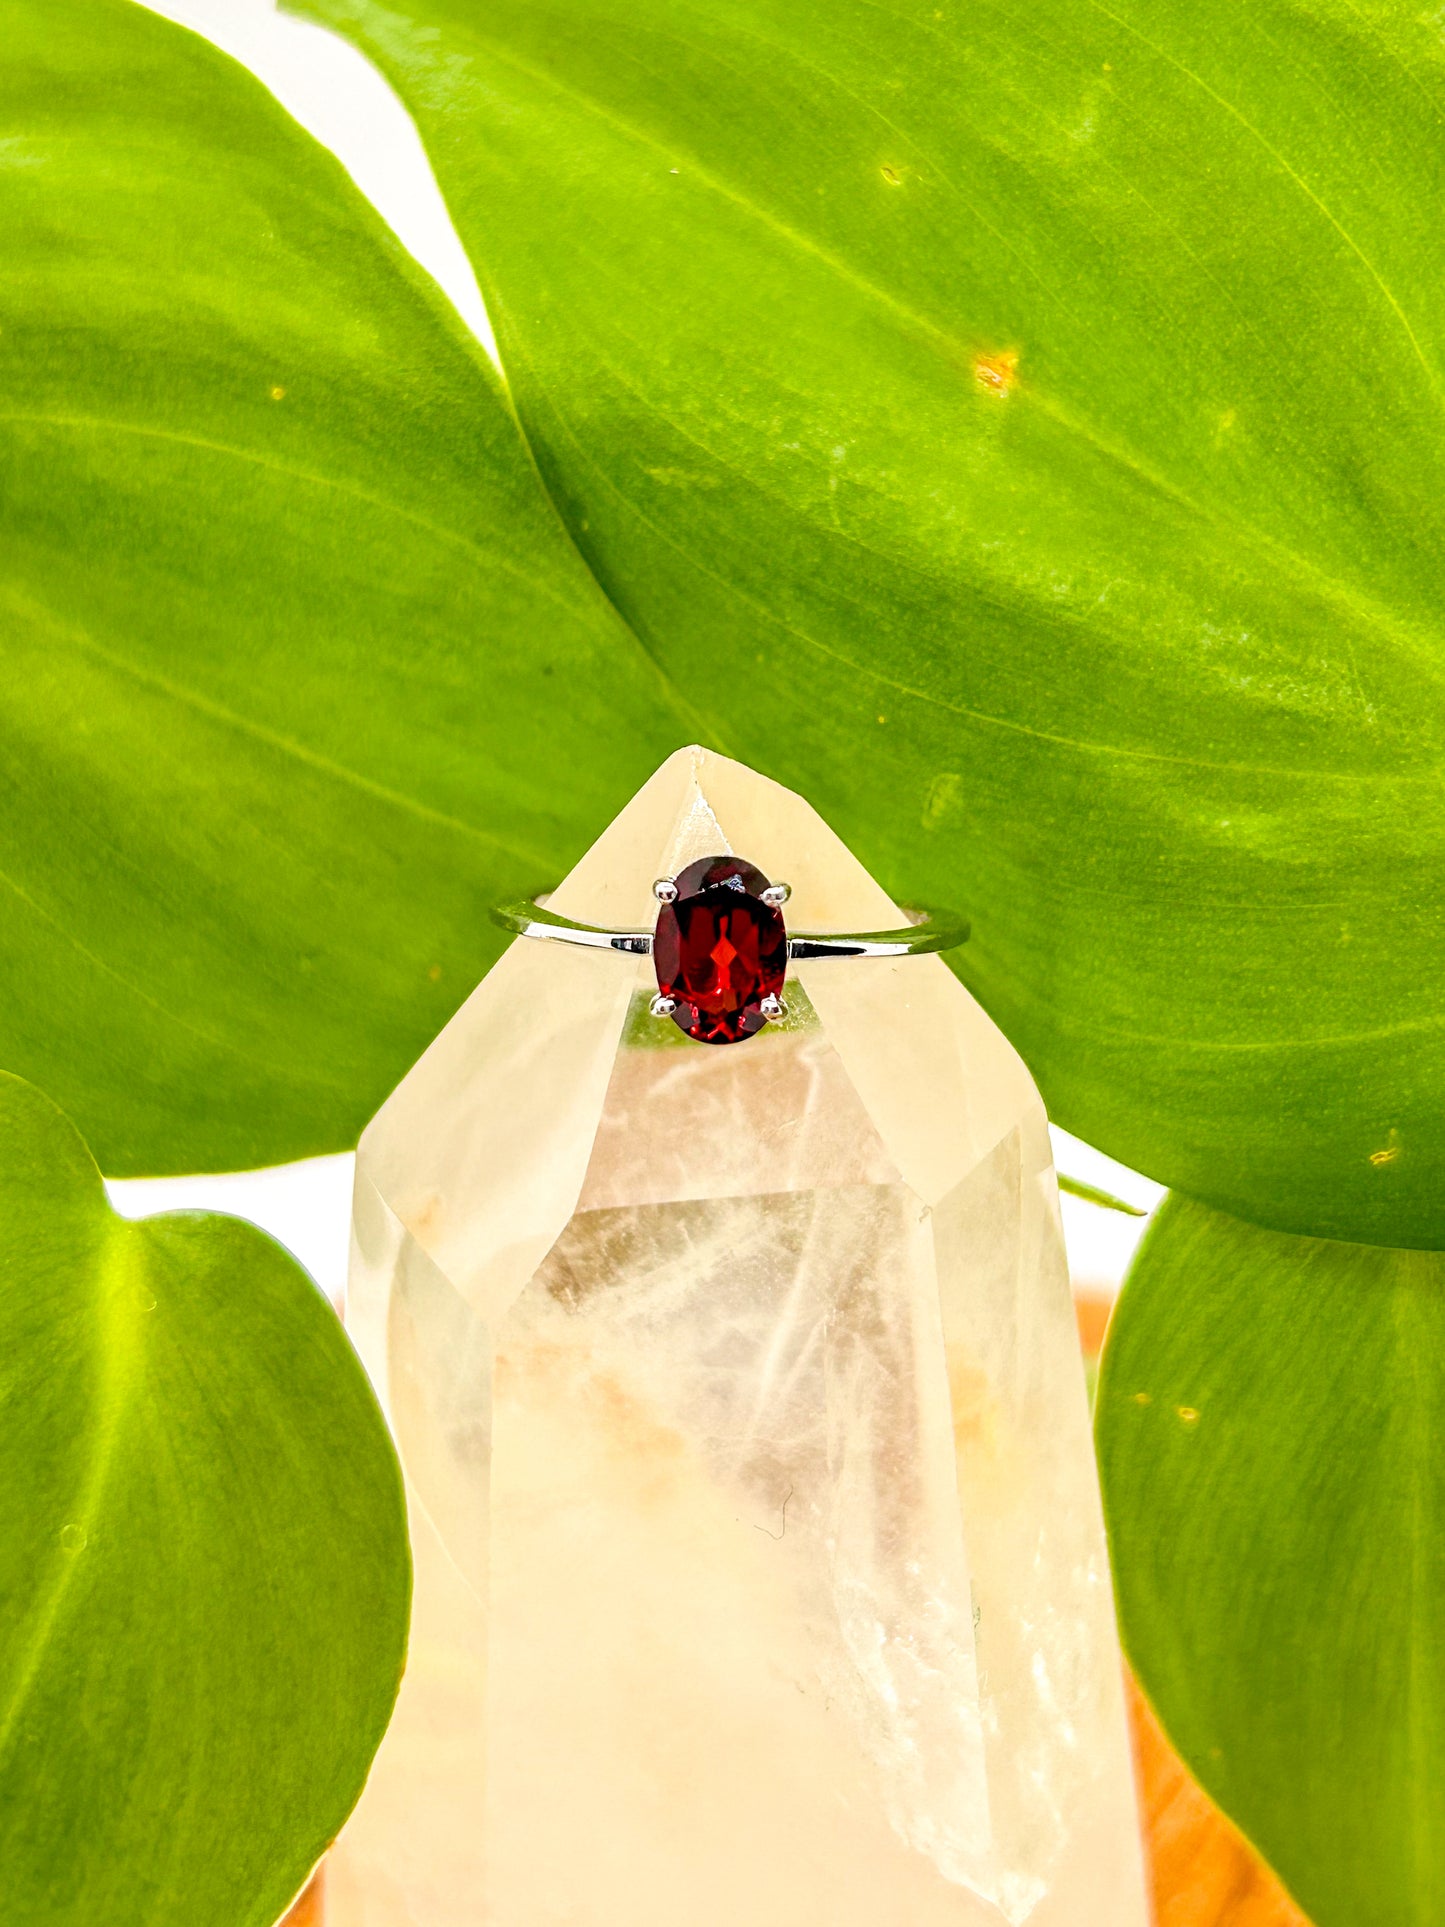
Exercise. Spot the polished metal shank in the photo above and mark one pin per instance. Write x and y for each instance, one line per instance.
(934, 930)
(532, 919)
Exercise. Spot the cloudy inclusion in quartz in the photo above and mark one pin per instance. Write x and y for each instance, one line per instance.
(760, 1573)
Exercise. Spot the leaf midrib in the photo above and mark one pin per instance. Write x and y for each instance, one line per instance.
(116, 1346)
(1298, 180)
(493, 558)
(1309, 773)
(1332, 589)
(1421, 1689)
(286, 1072)
(219, 712)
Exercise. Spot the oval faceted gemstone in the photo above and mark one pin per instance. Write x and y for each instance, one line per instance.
(719, 950)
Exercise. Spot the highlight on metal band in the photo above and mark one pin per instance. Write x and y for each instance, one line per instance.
(935, 930)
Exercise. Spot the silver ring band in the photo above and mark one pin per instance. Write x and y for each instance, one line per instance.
(935, 930)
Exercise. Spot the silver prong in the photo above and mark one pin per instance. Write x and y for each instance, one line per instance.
(665, 890)
(777, 894)
(663, 1006)
(773, 1008)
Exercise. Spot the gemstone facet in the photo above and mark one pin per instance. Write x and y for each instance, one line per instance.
(720, 950)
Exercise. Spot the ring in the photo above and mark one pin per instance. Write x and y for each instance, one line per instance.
(721, 948)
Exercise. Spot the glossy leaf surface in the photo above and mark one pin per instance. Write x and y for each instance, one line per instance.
(298, 671)
(204, 1574)
(1268, 1424)
(1023, 431)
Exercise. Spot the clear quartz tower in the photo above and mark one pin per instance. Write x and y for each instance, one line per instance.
(760, 1576)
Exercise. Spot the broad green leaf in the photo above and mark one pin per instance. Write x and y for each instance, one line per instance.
(298, 670)
(1268, 1420)
(1023, 430)
(204, 1575)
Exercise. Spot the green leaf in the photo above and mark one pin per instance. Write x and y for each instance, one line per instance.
(204, 1576)
(1020, 429)
(1095, 1194)
(300, 671)
(1268, 1418)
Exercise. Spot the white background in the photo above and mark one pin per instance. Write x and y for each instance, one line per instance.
(336, 93)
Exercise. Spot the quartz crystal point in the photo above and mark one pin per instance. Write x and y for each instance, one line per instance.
(760, 1575)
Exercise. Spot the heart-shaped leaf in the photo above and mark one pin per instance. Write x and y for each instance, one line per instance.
(300, 670)
(1021, 430)
(204, 1574)
(1268, 1417)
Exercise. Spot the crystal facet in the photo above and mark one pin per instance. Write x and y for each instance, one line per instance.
(760, 1574)
(720, 950)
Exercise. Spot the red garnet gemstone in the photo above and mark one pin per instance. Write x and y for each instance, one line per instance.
(719, 950)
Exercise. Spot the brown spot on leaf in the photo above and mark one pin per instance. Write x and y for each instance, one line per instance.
(1388, 1151)
(997, 373)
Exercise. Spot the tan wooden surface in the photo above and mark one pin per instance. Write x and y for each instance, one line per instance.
(310, 1909)
(1204, 1874)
